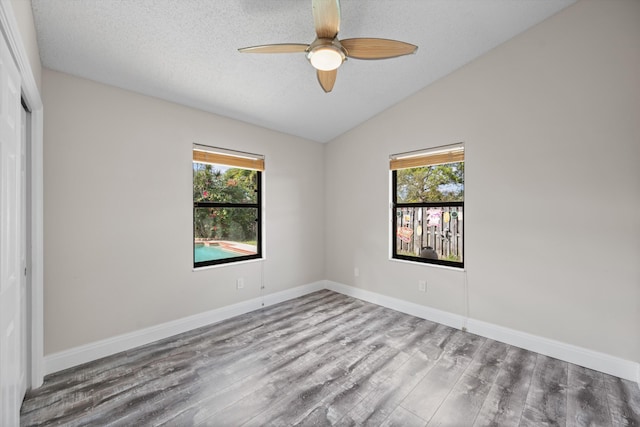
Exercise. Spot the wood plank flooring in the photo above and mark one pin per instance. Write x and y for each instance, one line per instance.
(328, 359)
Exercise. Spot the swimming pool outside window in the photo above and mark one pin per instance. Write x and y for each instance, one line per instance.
(227, 206)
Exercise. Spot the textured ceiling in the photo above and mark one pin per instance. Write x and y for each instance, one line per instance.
(185, 51)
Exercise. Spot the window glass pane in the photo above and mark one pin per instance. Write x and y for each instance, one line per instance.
(434, 232)
(224, 184)
(222, 233)
(440, 183)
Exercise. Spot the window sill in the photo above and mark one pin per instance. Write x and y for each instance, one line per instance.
(445, 267)
(229, 264)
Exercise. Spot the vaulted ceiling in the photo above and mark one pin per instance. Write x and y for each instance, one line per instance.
(185, 51)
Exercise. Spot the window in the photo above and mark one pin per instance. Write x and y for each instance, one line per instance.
(428, 206)
(227, 206)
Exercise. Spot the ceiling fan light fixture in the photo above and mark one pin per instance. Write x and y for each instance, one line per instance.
(326, 58)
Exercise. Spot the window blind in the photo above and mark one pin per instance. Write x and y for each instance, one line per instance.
(241, 160)
(439, 156)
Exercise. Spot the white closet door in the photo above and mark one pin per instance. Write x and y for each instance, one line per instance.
(10, 236)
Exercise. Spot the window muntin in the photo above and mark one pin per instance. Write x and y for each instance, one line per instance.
(226, 208)
(428, 207)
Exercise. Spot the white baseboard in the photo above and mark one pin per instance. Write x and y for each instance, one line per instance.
(278, 297)
(591, 359)
(86, 353)
(421, 311)
(580, 356)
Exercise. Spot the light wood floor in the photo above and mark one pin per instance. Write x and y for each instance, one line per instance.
(328, 359)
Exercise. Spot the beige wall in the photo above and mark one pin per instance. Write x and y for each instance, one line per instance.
(24, 16)
(118, 212)
(551, 125)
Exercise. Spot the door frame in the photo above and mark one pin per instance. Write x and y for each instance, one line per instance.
(33, 100)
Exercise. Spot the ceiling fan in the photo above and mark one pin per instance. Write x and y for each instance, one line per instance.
(327, 53)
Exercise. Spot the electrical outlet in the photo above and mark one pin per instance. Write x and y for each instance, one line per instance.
(240, 283)
(356, 272)
(422, 285)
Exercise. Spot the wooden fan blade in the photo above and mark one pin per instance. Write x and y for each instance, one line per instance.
(367, 48)
(275, 48)
(327, 79)
(326, 17)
